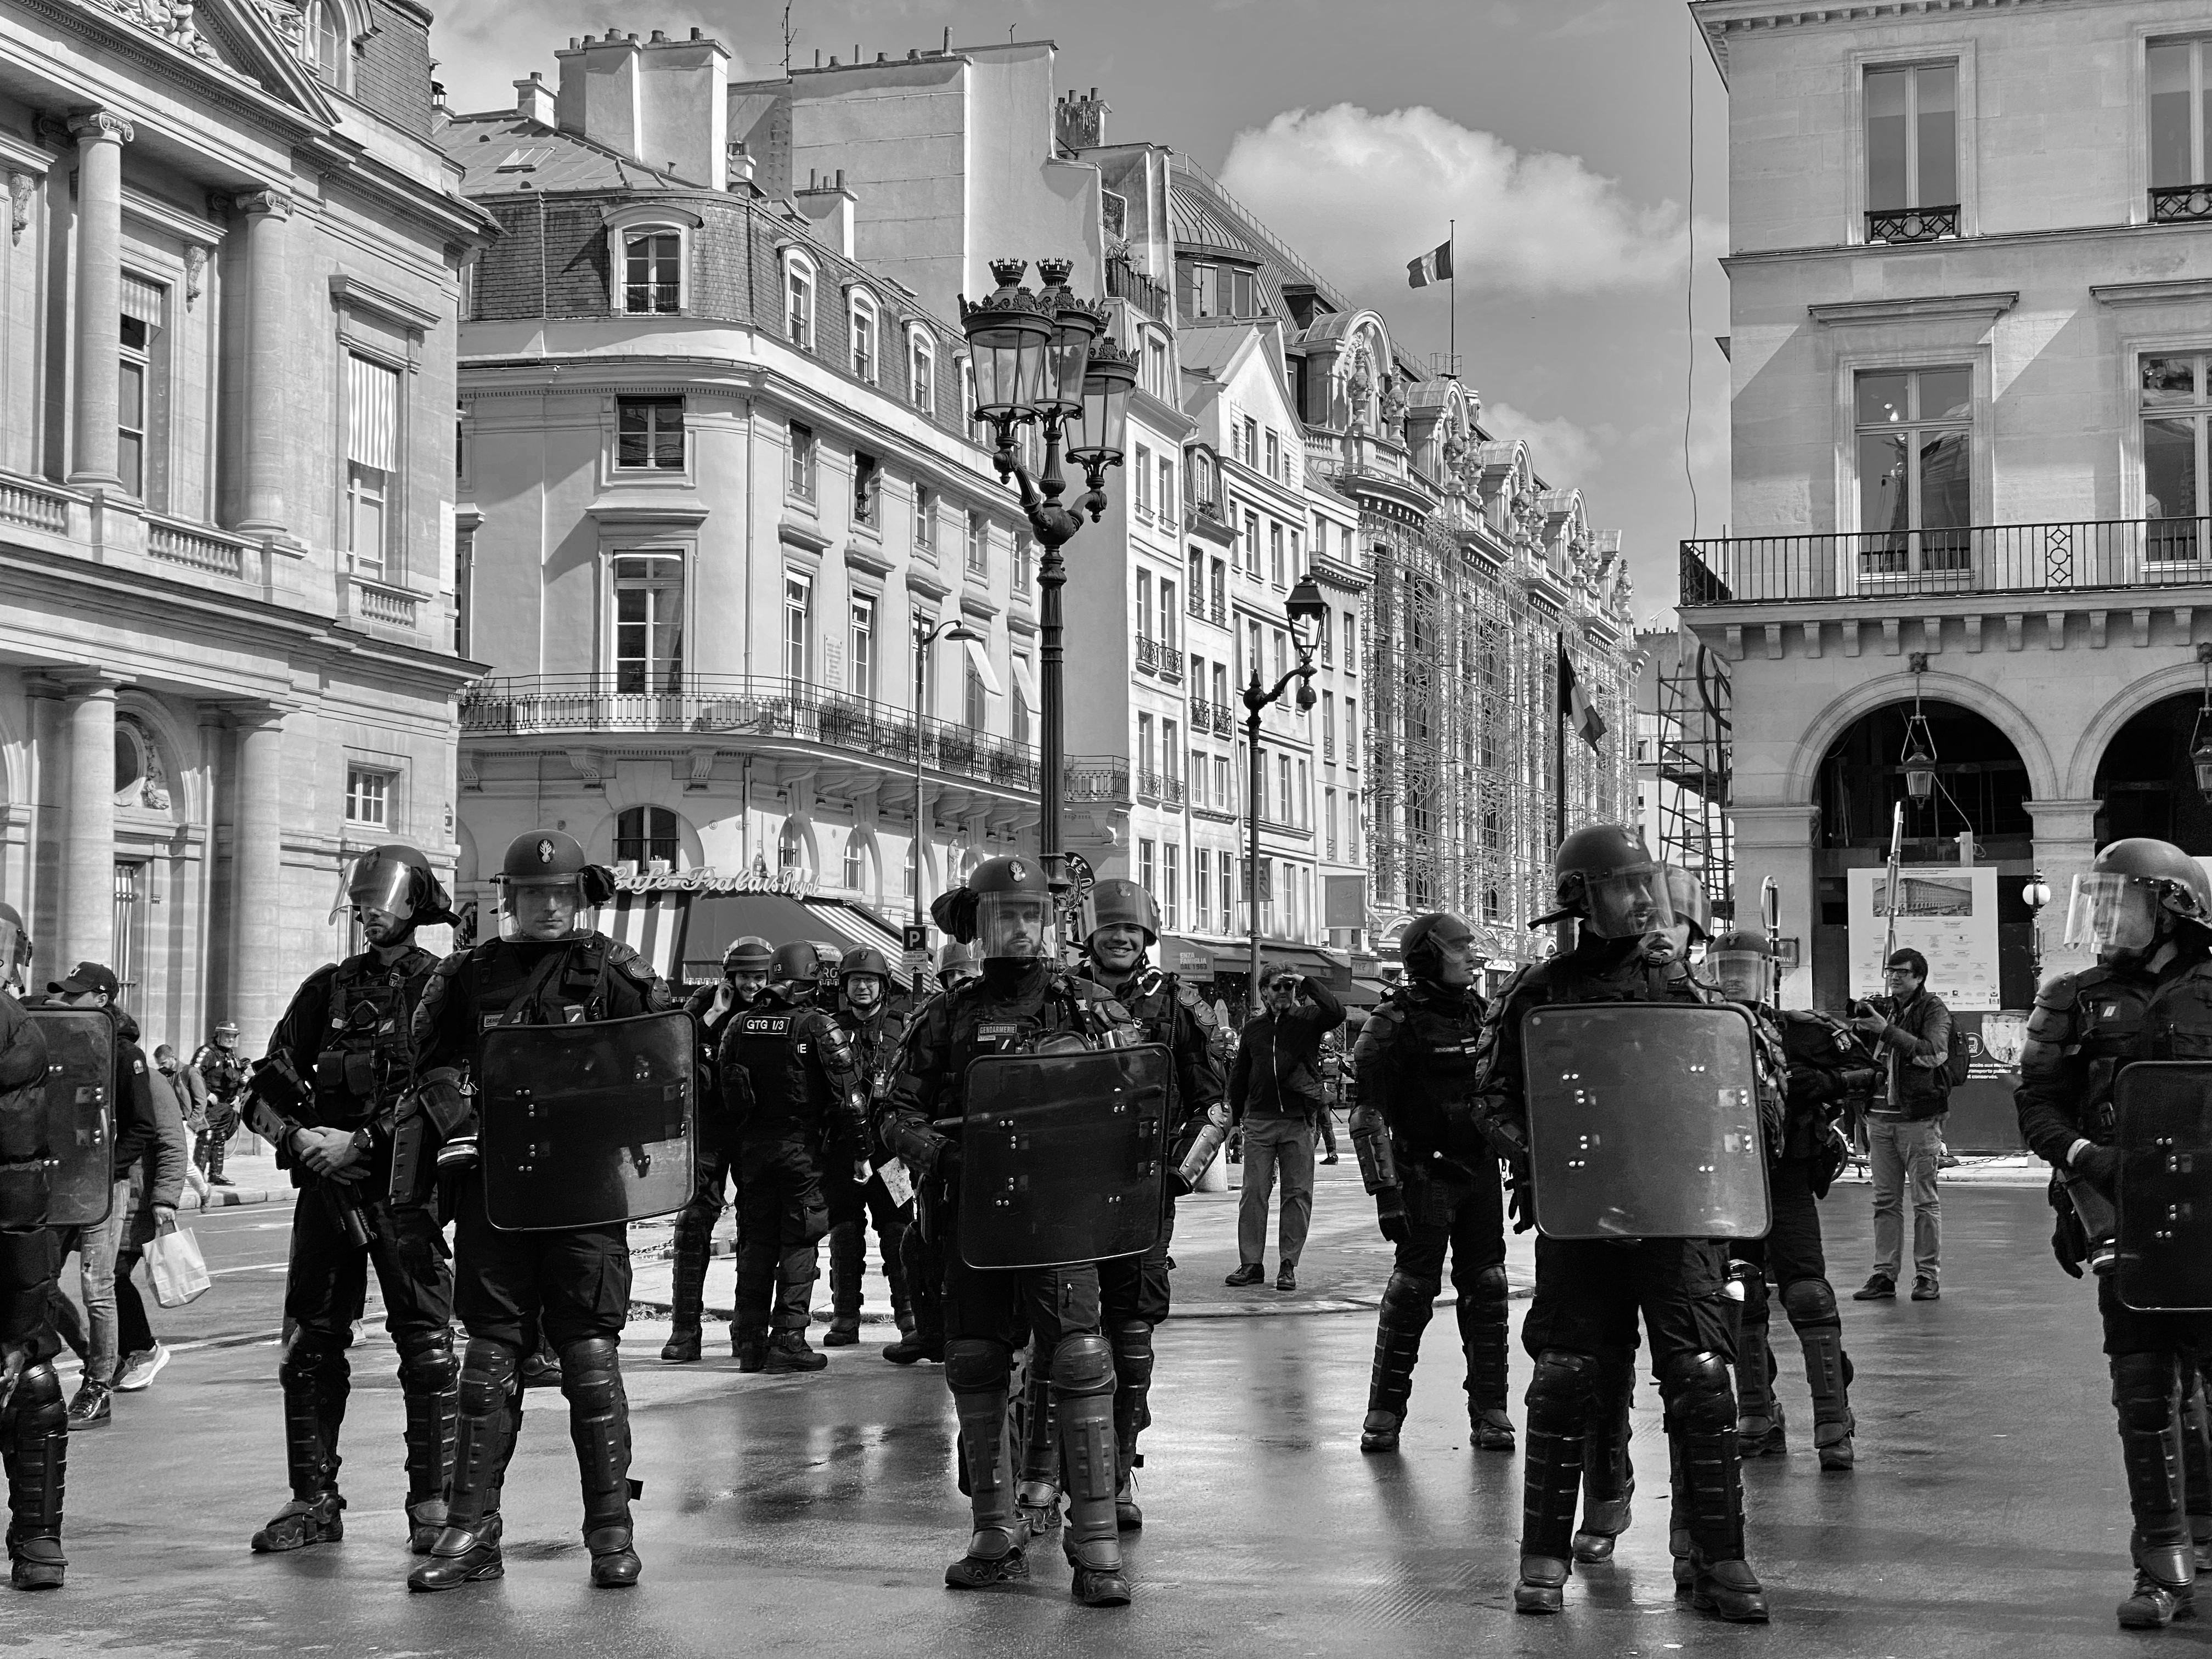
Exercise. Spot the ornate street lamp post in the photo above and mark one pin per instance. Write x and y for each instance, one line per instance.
(2035, 895)
(924, 639)
(1306, 609)
(1040, 359)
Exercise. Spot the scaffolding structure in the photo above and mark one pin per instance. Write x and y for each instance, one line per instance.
(1693, 768)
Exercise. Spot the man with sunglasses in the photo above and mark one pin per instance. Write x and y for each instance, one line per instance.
(1275, 1094)
(1911, 1029)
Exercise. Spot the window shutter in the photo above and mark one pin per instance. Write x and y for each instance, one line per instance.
(372, 414)
(143, 298)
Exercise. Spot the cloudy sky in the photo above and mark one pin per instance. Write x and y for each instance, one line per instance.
(1557, 132)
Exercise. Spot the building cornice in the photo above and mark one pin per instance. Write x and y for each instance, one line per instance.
(1717, 20)
(2195, 290)
(1732, 262)
(1931, 308)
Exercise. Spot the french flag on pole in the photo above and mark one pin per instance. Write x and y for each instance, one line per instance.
(1581, 713)
(1434, 266)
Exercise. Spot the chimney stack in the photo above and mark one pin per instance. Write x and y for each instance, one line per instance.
(1079, 122)
(828, 207)
(533, 100)
(663, 103)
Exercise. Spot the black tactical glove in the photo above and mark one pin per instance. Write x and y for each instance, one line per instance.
(1390, 1214)
(944, 1163)
(1521, 1198)
(2100, 1164)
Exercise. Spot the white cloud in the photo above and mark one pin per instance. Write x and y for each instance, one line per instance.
(1359, 194)
(1567, 454)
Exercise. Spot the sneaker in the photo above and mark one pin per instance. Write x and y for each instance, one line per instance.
(1879, 1288)
(92, 1408)
(1331, 1158)
(1925, 1289)
(140, 1368)
(1251, 1272)
(220, 1181)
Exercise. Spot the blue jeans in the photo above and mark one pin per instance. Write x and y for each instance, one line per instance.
(1899, 1150)
(96, 1248)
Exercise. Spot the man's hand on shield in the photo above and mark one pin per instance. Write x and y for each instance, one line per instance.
(331, 1153)
(1390, 1214)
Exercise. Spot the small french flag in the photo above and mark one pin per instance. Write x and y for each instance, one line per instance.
(1434, 266)
(1575, 705)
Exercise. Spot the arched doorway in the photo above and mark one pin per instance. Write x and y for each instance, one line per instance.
(2147, 782)
(1981, 786)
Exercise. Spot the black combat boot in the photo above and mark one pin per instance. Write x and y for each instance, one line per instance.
(1608, 1476)
(488, 1420)
(1037, 1497)
(1484, 1340)
(787, 1351)
(428, 1378)
(34, 1435)
(2166, 1585)
(1812, 1308)
(1562, 1402)
(314, 1376)
(976, 1373)
(598, 1424)
(1407, 1305)
(1082, 1405)
(1758, 1430)
(1702, 1420)
(849, 1250)
(687, 1298)
(1132, 1413)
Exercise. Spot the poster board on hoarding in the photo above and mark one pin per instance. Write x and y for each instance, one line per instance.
(1946, 912)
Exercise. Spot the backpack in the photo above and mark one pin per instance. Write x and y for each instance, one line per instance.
(1956, 1064)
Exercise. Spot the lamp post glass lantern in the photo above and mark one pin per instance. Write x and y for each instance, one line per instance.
(1041, 358)
(1304, 610)
(2035, 895)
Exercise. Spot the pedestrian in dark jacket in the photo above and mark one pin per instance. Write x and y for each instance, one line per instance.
(1912, 1029)
(157, 1183)
(1275, 1093)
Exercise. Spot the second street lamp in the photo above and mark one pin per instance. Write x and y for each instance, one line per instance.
(1306, 611)
(1041, 358)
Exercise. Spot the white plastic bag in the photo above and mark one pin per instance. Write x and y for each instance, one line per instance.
(180, 1274)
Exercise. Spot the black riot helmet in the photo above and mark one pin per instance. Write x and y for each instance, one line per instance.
(1439, 950)
(1738, 960)
(398, 879)
(956, 961)
(1005, 907)
(793, 963)
(548, 889)
(2133, 894)
(1604, 877)
(863, 959)
(1124, 903)
(748, 954)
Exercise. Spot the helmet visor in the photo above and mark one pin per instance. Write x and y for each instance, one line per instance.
(1013, 926)
(2110, 912)
(1628, 903)
(1687, 898)
(544, 910)
(1741, 975)
(14, 950)
(380, 884)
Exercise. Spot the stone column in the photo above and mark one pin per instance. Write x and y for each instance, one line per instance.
(257, 876)
(269, 448)
(2065, 842)
(88, 838)
(1777, 841)
(98, 323)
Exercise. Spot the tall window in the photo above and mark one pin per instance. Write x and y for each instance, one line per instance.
(856, 862)
(1023, 675)
(135, 380)
(645, 833)
(649, 433)
(369, 797)
(925, 665)
(925, 522)
(863, 329)
(1351, 740)
(1274, 455)
(653, 272)
(1250, 431)
(860, 647)
(649, 622)
(1143, 604)
(2177, 412)
(1326, 647)
(1328, 821)
(790, 848)
(1287, 803)
(979, 544)
(797, 624)
(327, 39)
(1025, 560)
(868, 484)
(1350, 649)
(1329, 726)
(1170, 617)
(1148, 762)
(1252, 542)
(1170, 895)
(2180, 130)
(1170, 748)
(1155, 368)
(1916, 468)
(1147, 875)
(1167, 503)
(975, 699)
(1201, 886)
(372, 457)
(799, 304)
(1140, 474)
(1219, 592)
(1229, 892)
(1912, 149)
(804, 462)
(921, 371)
(1275, 554)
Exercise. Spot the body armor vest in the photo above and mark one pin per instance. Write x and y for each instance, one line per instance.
(1431, 1068)
(776, 1041)
(2178, 1016)
(365, 1049)
(2112, 1026)
(510, 990)
(223, 1072)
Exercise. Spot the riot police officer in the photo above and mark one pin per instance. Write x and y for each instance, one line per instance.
(1021, 1003)
(745, 975)
(1581, 1328)
(327, 1097)
(1121, 925)
(790, 1090)
(2145, 907)
(1827, 1064)
(224, 1070)
(958, 964)
(863, 1010)
(550, 966)
(1415, 1060)
(33, 1420)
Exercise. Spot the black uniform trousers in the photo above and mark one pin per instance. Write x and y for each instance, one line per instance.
(782, 1213)
(513, 1288)
(1589, 1292)
(1009, 1306)
(1136, 1287)
(850, 1202)
(1792, 1249)
(326, 1284)
(1466, 1219)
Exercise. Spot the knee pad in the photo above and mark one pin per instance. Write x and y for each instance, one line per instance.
(1083, 1365)
(1132, 1351)
(1405, 1296)
(1564, 1377)
(975, 1364)
(426, 1359)
(1490, 1286)
(1809, 1302)
(1698, 1399)
(312, 1355)
(489, 1373)
(36, 1405)
(591, 1374)
(2142, 1391)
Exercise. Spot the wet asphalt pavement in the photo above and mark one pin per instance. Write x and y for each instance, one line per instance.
(815, 1515)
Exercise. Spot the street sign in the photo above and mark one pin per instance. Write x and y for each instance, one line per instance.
(913, 937)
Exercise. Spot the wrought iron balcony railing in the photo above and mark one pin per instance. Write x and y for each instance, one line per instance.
(1171, 663)
(1148, 652)
(1920, 224)
(2177, 205)
(1097, 777)
(2009, 558)
(1148, 786)
(1125, 282)
(1171, 790)
(737, 705)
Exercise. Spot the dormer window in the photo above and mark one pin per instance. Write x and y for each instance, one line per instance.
(798, 289)
(865, 326)
(653, 272)
(329, 28)
(921, 371)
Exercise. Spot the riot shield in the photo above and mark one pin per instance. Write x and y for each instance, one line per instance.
(2163, 1260)
(586, 1125)
(1064, 1156)
(80, 1113)
(1644, 1122)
